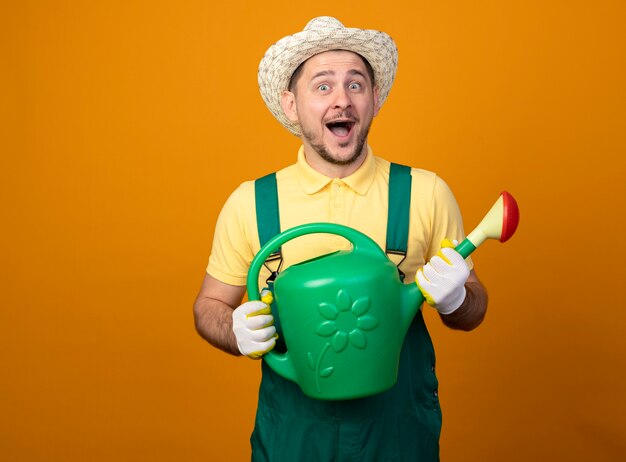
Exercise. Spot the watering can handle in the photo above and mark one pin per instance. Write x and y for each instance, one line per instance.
(360, 241)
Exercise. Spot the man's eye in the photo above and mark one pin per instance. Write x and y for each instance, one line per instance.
(355, 86)
(324, 87)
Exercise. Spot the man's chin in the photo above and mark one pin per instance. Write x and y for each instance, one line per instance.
(341, 157)
(338, 152)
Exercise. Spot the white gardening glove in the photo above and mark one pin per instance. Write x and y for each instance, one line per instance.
(442, 279)
(253, 325)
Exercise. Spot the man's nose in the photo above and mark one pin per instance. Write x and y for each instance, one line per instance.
(342, 98)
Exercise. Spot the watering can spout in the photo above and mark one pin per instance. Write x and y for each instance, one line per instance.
(500, 222)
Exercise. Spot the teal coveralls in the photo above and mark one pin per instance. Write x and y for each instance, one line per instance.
(400, 424)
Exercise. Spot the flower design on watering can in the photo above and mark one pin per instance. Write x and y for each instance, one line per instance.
(346, 321)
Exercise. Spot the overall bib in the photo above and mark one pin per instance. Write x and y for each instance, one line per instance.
(400, 424)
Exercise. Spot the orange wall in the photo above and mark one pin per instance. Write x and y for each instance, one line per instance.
(126, 124)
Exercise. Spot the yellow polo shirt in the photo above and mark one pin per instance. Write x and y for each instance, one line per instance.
(358, 201)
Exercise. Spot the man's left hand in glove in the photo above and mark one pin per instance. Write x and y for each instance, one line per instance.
(442, 279)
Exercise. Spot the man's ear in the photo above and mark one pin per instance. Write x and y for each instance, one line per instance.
(376, 101)
(288, 102)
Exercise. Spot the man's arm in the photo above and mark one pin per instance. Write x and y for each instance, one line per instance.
(213, 313)
(472, 312)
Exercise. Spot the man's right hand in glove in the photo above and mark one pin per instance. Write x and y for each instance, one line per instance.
(253, 325)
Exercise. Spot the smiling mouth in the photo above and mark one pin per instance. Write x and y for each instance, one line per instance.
(341, 128)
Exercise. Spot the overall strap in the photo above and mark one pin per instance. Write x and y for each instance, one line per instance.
(268, 225)
(267, 213)
(398, 211)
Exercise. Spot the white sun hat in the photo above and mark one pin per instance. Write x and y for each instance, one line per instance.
(323, 34)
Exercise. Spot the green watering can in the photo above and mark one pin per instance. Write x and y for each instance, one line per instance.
(344, 315)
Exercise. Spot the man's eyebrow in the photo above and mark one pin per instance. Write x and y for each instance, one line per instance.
(356, 72)
(322, 74)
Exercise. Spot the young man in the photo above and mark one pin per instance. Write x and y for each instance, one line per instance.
(326, 84)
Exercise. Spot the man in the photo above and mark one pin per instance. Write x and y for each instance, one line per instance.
(326, 84)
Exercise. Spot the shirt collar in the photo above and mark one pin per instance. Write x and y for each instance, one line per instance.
(313, 181)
